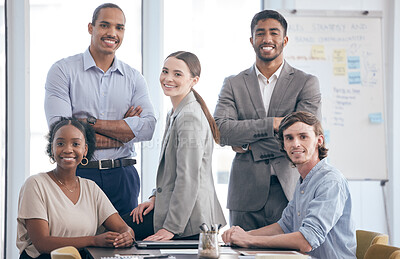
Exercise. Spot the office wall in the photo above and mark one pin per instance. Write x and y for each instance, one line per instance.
(393, 108)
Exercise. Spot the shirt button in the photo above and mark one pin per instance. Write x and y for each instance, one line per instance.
(298, 213)
(159, 189)
(302, 192)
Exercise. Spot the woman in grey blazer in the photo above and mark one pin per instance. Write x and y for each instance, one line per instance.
(185, 196)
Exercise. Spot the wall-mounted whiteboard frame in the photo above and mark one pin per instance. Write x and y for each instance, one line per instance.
(344, 49)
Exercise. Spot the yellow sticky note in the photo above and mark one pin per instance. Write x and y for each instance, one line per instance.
(318, 52)
(339, 69)
(339, 56)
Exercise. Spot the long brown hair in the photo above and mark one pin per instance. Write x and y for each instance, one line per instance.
(309, 119)
(193, 63)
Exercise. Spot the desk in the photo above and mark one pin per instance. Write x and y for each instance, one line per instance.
(225, 252)
(99, 252)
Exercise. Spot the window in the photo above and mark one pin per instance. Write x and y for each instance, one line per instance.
(218, 33)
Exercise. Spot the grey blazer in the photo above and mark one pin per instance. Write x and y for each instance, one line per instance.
(185, 193)
(242, 119)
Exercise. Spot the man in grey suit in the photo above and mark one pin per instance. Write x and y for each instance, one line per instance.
(248, 113)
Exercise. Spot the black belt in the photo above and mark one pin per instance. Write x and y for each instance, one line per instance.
(109, 163)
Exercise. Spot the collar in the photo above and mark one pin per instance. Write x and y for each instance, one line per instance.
(187, 99)
(277, 72)
(88, 62)
(315, 169)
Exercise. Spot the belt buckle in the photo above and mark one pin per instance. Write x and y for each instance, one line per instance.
(101, 165)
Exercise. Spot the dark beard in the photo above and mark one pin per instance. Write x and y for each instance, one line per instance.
(264, 59)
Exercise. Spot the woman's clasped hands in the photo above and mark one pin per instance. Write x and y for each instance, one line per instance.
(114, 239)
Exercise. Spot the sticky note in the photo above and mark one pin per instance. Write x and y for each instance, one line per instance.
(318, 52)
(353, 62)
(339, 56)
(375, 118)
(354, 78)
(327, 135)
(339, 70)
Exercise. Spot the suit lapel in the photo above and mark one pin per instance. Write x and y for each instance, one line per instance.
(171, 119)
(168, 126)
(281, 87)
(253, 88)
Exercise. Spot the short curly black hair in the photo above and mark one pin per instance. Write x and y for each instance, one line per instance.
(268, 14)
(87, 131)
(102, 6)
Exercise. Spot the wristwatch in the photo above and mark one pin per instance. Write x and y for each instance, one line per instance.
(245, 147)
(91, 120)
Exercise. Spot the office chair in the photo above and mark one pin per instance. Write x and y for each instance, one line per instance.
(395, 255)
(379, 251)
(67, 252)
(365, 239)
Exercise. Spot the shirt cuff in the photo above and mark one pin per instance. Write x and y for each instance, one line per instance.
(135, 124)
(309, 236)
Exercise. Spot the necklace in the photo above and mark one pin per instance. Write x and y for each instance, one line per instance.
(64, 185)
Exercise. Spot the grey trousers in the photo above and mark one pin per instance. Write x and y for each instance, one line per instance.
(269, 214)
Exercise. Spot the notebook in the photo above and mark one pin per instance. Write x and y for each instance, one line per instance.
(172, 244)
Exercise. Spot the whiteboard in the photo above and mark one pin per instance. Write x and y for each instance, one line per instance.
(344, 50)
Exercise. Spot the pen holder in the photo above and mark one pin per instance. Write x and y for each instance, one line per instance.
(208, 245)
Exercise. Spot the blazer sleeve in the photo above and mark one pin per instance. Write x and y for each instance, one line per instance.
(192, 139)
(236, 125)
(308, 99)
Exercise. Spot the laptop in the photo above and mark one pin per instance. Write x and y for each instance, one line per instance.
(171, 244)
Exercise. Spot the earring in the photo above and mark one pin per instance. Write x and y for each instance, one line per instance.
(86, 161)
(52, 160)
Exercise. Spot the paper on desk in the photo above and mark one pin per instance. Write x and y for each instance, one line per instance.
(179, 251)
(275, 254)
(120, 257)
(281, 255)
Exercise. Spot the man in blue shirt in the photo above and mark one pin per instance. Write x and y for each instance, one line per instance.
(105, 92)
(318, 220)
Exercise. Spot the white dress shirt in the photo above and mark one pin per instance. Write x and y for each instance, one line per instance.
(267, 85)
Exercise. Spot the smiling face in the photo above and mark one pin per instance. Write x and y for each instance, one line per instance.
(176, 79)
(268, 40)
(301, 145)
(69, 147)
(107, 32)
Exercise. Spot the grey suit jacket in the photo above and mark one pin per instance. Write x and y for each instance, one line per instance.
(242, 119)
(185, 193)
